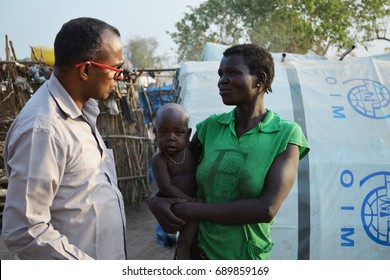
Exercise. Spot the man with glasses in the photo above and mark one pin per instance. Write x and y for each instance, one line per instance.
(62, 200)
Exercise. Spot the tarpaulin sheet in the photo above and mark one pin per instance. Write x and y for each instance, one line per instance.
(151, 99)
(339, 206)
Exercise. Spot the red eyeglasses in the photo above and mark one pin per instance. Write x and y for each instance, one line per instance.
(118, 71)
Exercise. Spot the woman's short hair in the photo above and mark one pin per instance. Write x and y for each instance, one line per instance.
(258, 60)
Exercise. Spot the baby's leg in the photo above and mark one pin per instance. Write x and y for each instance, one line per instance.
(186, 237)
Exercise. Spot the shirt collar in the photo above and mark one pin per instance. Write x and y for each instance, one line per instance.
(66, 103)
(271, 122)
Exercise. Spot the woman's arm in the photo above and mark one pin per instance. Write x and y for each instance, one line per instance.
(161, 209)
(278, 184)
(196, 147)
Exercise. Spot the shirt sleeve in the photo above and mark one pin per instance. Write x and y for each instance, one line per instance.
(298, 138)
(202, 126)
(35, 165)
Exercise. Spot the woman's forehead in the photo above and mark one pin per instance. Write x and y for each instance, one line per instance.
(234, 60)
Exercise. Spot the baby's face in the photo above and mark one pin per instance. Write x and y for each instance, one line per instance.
(172, 135)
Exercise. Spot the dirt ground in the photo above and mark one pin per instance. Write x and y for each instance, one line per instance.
(141, 244)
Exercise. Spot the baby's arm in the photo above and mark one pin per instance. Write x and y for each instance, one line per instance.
(163, 180)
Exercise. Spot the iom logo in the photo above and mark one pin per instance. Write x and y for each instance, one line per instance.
(375, 208)
(369, 98)
(375, 212)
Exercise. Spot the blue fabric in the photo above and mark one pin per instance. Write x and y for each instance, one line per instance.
(157, 97)
(162, 237)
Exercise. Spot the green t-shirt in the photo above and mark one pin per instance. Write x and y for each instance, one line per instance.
(234, 168)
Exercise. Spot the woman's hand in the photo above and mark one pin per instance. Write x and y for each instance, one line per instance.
(161, 209)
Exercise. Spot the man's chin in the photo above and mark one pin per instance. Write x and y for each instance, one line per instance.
(107, 95)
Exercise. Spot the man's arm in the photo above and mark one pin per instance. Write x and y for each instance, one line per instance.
(34, 178)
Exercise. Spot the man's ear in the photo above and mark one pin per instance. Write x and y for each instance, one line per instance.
(84, 71)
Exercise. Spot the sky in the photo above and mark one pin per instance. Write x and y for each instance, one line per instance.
(36, 23)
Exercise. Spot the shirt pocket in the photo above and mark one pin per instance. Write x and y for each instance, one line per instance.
(256, 245)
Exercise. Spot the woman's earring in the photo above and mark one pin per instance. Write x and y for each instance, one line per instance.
(258, 85)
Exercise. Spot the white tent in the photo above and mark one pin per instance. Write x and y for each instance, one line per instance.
(339, 207)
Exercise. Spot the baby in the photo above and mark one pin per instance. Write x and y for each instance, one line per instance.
(174, 166)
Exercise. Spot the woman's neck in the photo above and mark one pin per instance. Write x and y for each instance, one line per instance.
(246, 119)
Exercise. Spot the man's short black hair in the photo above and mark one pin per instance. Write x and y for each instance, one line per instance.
(80, 40)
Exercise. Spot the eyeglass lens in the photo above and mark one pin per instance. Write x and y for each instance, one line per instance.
(118, 74)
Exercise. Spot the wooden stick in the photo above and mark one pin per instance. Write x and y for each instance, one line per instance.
(20, 62)
(131, 177)
(126, 137)
(158, 69)
(8, 96)
(6, 48)
(34, 54)
(13, 51)
(150, 109)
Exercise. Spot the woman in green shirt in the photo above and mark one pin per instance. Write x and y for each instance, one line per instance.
(247, 163)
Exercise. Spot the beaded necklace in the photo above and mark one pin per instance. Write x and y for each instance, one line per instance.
(174, 161)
